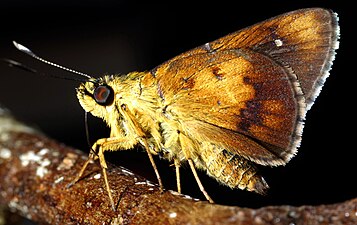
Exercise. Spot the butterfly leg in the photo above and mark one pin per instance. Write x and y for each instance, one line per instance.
(178, 180)
(187, 145)
(199, 183)
(153, 165)
(104, 166)
(92, 156)
(139, 131)
(100, 146)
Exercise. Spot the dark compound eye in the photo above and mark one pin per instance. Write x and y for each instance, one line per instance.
(103, 95)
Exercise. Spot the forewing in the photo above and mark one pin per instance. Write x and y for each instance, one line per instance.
(304, 40)
(247, 91)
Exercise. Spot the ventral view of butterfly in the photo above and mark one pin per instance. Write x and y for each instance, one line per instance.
(223, 107)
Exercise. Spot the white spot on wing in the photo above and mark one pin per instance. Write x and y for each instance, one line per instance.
(278, 42)
(207, 46)
(173, 215)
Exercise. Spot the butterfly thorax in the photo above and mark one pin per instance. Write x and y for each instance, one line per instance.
(137, 110)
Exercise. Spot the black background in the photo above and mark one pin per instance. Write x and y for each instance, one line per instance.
(112, 37)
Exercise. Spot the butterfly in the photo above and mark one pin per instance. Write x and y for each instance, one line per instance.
(223, 107)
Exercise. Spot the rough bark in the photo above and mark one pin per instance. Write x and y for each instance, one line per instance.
(36, 170)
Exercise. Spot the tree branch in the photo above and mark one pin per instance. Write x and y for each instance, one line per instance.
(35, 171)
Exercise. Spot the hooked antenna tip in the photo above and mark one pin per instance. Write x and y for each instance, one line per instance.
(22, 48)
(29, 52)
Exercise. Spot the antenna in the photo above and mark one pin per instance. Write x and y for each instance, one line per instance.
(30, 53)
(19, 65)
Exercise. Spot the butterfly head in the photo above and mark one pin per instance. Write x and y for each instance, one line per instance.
(96, 95)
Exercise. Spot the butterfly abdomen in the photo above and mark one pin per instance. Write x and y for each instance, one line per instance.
(233, 170)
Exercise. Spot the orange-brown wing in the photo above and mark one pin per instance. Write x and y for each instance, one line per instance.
(248, 91)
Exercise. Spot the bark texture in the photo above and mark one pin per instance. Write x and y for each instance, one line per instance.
(36, 170)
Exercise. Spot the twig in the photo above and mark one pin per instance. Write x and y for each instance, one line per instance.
(35, 171)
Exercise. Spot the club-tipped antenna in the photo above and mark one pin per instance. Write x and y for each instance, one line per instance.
(13, 63)
(30, 53)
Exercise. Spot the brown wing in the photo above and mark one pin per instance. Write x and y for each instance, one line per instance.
(248, 91)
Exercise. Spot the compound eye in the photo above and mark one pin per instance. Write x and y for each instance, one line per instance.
(103, 95)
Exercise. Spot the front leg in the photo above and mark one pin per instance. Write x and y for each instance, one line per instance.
(101, 145)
